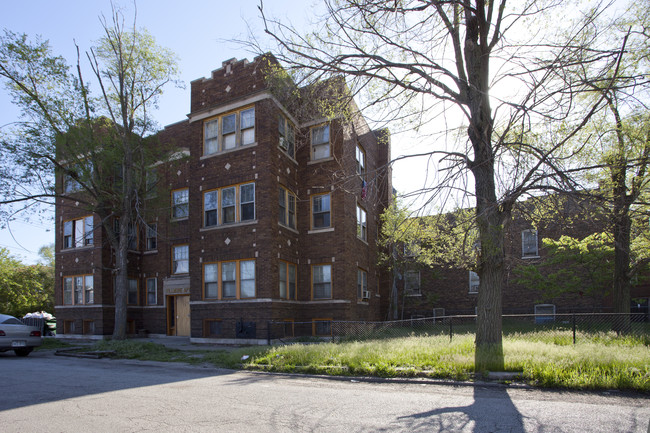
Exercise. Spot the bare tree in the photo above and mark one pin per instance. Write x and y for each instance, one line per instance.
(74, 149)
(426, 60)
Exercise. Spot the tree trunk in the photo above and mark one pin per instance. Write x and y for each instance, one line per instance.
(621, 286)
(121, 285)
(489, 344)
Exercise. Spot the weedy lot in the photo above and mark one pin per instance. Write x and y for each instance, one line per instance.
(598, 361)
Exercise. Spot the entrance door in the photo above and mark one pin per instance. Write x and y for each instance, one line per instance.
(178, 315)
(182, 315)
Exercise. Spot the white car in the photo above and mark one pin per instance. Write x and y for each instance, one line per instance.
(16, 336)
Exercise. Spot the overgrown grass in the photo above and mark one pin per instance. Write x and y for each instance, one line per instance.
(602, 361)
(598, 361)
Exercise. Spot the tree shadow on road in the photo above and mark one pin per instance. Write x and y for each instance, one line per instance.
(491, 411)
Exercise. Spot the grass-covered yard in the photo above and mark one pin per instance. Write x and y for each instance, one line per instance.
(598, 361)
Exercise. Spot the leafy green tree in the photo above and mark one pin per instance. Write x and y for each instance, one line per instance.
(412, 242)
(427, 61)
(572, 266)
(616, 148)
(24, 288)
(98, 147)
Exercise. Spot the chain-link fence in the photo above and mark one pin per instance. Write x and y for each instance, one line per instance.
(555, 328)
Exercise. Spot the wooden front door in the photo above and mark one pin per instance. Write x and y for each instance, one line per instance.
(178, 315)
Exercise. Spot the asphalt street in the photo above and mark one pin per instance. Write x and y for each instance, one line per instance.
(47, 393)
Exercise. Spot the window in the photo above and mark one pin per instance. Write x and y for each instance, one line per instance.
(320, 142)
(322, 327)
(287, 136)
(544, 313)
(229, 280)
(247, 278)
(237, 129)
(247, 202)
(212, 328)
(83, 170)
(152, 291)
(320, 210)
(180, 203)
(228, 205)
(529, 244)
(151, 182)
(474, 282)
(362, 226)
(152, 237)
(211, 280)
(412, 283)
(361, 161)
(89, 290)
(181, 259)
(321, 279)
(224, 202)
(210, 208)
(78, 233)
(287, 207)
(362, 284)
(132, 293)
(229, 130)
(132, 239)
(78, 290)
(287, 280)
(248, 126)
(88, 327)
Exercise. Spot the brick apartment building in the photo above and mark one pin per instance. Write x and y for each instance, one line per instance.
(269, 213)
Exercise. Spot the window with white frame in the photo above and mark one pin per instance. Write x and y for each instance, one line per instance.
(412, 282)
(286, 207)
(474, 282)
(321, 278)
(287, 272)
(362, 284)
(229, 280)
(287, 136)
(321, 211)
(529, 247)
(220, 205)
(78, 290)
(320, 142)
(361, 161)
(180, 259)
(362, 225)
(152, 237)
(229, 131)
(152, 291)
(78, 233)
(180, 203)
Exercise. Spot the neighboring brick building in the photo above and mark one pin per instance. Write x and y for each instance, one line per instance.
(451, 291)
(269, 213)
